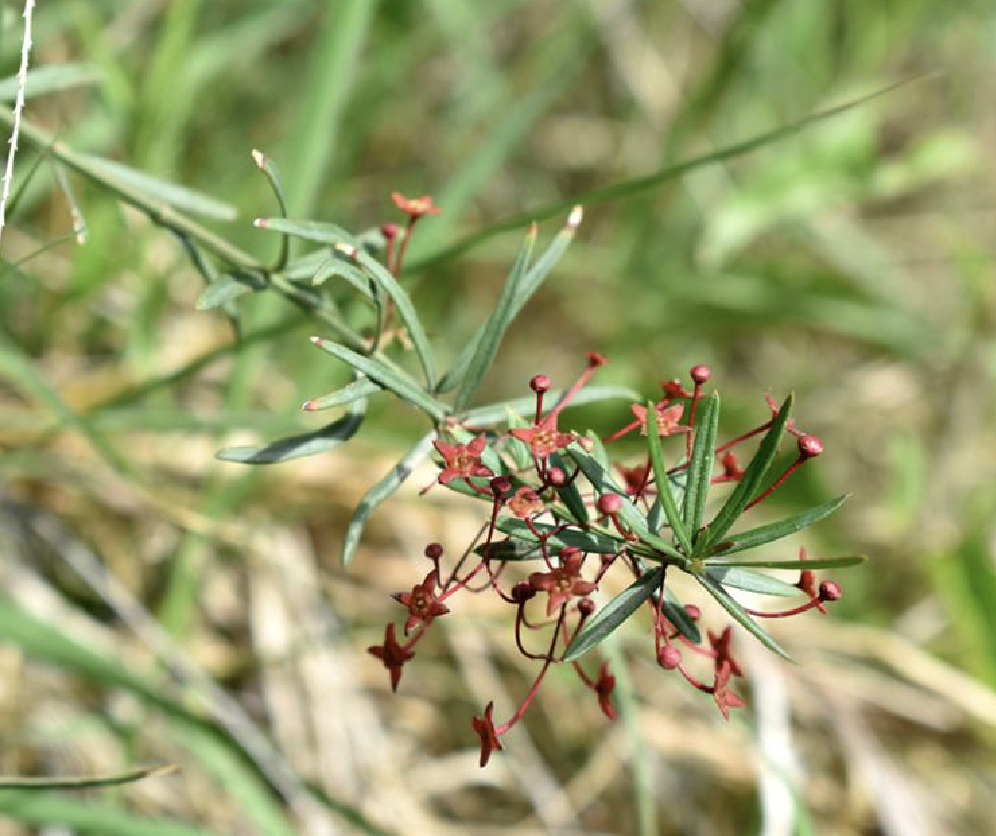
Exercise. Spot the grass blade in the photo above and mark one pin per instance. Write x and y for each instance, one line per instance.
(614, 613)
(663, 481)
(751, 480)
(404, 387)
(381, 491)
(700, 468)
(81, 783)
(300, 446)
(739, 614)
(490, 337)
(777, 530)
(53, 79)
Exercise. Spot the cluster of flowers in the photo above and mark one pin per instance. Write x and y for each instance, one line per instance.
(523, 491)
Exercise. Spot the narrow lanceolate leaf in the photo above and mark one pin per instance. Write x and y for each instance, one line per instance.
(528, 285)
(272, 174)
(751, 581)
(81, 783)
(675, 612)
(808, 563)
(614, 613)
(515, 550)
(361, 388)
(299, 446)
(775, 531)
(224, 290)
(116, 175)
(600, 480)
(381, 491)
(740, 614)
(403, 303)
(587, 541)
(359, 280)
(700, 467)
(403, 386)
(485, 415)
(494, 328)
(324, 233)
(665, 497)
(750, 482)
(569, 493)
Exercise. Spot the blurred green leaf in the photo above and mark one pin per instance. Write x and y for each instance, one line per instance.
(81, 782)
(51, 79)
(272, 174)
(320, 231)
(614, 613)
(777, 530)
(700, 469)
(225, 289)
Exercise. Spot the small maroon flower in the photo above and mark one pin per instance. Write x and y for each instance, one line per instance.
(462, 460)
(732, 471)
(392, 654)
(634, 478)
(485, 728)
(525, 503)
(422, 602)
(603, 687)
(721, 646)
(725, 698)
(415, 207)
(543, 438)
(673, 389)
(564, 582)
(668, 418)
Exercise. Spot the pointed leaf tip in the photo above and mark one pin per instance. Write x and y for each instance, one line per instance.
(259, 223)
(346, 249)
(316, 340)
(574, 219)
(259, 158)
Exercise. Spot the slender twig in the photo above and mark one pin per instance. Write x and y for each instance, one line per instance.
(22, 80)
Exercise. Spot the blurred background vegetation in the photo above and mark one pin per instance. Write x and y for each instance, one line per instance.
(850, 262)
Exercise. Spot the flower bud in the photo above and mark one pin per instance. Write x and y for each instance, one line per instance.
(693, 612)
(809, 446)
(389, 231)
(501, 485)
(434, 551)
(669, 658)
(540, 384)
(556, 476)
(586, 607)
(700, 373)
(522, 592)
(830, 591)
(609, 503)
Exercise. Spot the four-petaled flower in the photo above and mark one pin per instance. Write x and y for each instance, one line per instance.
(415, 207)
(462, 460)
(392, 654)
(563, 582)
(485, 728)
(422, 602)
(721, 647)
(603, 687)
(525, 503)
(725, 698)
(667, 418)
(543, 438)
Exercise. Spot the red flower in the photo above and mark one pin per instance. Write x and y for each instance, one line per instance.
(485, 729)
(392, 654)
(525, 503)
(674, 389)
(462, 460)
(564, 582)
(604, 686)
(634, 478)
(422, 603)
(667, 419)
(725, 698)
(721, 647)
(544, 438)
(415, 207)
(732, 471)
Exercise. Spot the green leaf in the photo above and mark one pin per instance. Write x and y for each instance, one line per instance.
(518, 450)
(614, 613)
(775, 531)
(381, 491)
(335, 266)
(324, 233)
(490, 336)
(118, 175)
(569, 493)
(300, 446)
(676, 614)
(225, 289)
(663, 481)
(361, 388)
(80, 782)
(808, 563)
(497, 412)
(53, 79)
(750, 581)
(700, 467)
(403, 303)
(527, 286)
(751, 480)
(272, 174)
(402, 386)
(740, 614)
(588, 541)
